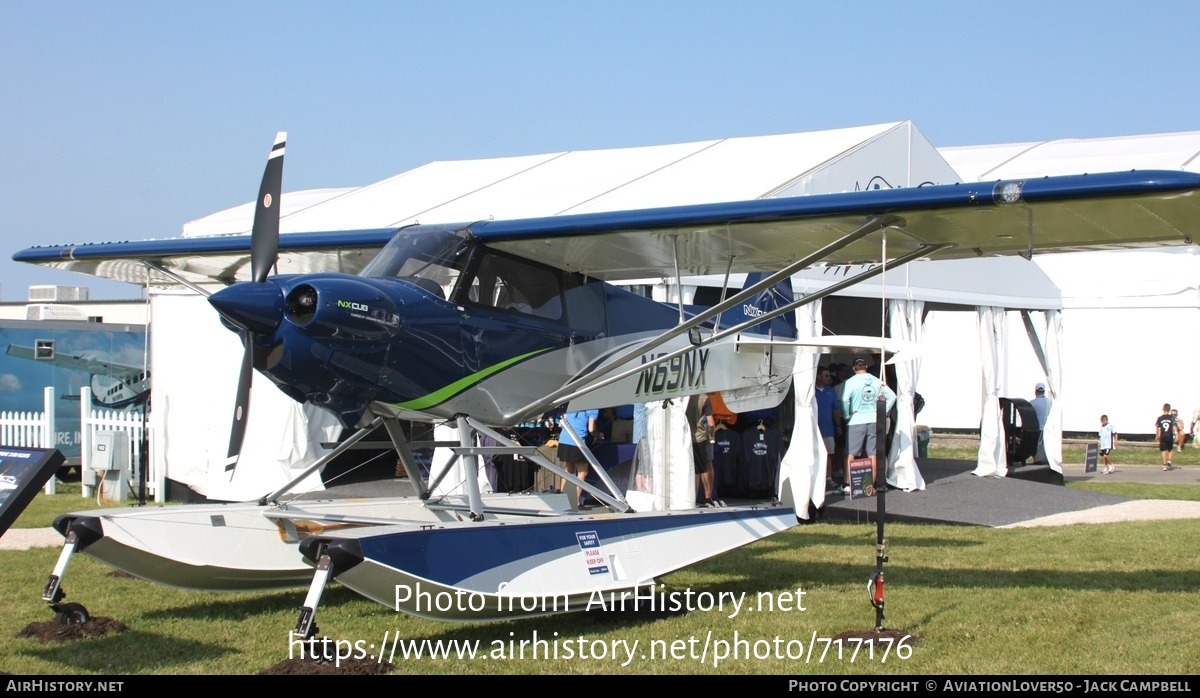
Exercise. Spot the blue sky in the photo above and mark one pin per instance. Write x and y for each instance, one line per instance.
(124, 120)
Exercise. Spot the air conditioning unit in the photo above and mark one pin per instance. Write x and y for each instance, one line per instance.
(54, 311)
(57, 294)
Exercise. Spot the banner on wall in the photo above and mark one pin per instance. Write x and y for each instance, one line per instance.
(108, 358)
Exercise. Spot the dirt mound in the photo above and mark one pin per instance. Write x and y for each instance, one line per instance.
(54, 631)
(324, 667)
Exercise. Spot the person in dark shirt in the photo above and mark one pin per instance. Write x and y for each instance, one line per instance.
(829, 422)
(1164, 429)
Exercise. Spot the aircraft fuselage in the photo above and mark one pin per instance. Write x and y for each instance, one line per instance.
(440, 325)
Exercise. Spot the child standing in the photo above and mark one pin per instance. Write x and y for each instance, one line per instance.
(1108, 442)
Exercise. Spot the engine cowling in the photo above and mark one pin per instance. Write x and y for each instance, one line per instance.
(344, 308)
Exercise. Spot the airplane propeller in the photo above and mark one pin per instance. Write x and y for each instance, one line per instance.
(264, 250)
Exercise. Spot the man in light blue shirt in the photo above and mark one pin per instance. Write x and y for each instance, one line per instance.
(859, 395)
(571, 453)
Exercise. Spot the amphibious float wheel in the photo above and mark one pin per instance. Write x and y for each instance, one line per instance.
(71, 614)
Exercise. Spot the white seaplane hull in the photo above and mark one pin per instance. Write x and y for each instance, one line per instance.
(242, 547)
(496, 570)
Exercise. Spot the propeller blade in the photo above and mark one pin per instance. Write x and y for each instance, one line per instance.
(264, 236)
(264, 248)
(241, 406)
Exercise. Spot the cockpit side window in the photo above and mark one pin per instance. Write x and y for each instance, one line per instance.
(514, 285)
(585, 305)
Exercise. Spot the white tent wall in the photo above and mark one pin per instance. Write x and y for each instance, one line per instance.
(196, 363)
(1129, 372)
(951, 366)
(991, 460)
(907, 325)
(666, 474)
(952, 346)
(802, 470)
(1122, 309)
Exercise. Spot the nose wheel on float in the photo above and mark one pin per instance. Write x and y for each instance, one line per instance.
(80, 532)
(70, 613)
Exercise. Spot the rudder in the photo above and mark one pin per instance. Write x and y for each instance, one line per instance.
(783, 326)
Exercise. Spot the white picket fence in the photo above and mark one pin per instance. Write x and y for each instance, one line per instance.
(36, 430)
(31, 429)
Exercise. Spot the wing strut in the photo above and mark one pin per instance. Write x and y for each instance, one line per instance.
(678, 278)
(724, 285)
(862, 276)
(320, 463)
(592, 381)
(155, 266)
(613, 499)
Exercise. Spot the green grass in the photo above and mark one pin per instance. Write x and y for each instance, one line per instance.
(1125, 455)
(67, 498)
(1086, 599)
(1099, 599)
(1141, 490)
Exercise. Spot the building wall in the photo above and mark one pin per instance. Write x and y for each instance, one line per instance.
(136, 312)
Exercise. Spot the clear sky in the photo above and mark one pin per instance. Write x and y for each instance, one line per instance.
(123, 120)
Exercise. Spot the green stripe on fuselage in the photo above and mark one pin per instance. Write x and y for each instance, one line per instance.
(439, 396)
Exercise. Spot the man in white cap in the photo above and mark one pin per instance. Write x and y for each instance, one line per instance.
(1041, 405)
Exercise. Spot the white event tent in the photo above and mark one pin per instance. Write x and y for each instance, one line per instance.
(195, 405)
(1129, 319)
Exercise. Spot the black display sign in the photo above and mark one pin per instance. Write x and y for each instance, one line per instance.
(23, 472)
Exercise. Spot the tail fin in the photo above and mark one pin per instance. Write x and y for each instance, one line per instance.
(783, 326)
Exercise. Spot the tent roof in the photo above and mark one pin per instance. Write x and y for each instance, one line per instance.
(732, 169)
(1068, 156)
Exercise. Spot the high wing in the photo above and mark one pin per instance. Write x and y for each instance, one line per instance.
(1011, 217)
(1052, 214)
(222, 259)
(81, 362)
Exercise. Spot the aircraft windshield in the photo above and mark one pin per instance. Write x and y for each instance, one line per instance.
(442, 261)
(425, 255)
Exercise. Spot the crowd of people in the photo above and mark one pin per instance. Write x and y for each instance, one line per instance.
(1169, 432)
(735, 455)
(846, 400)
